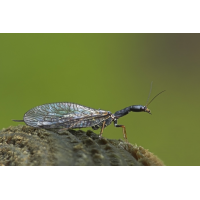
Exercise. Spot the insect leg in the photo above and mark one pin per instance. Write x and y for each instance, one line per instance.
(124, 129)
(100, 136)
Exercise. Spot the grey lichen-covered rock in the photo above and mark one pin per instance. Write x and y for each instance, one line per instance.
(25, 145)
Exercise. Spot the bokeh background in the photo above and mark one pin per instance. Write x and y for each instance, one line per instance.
(111, 72)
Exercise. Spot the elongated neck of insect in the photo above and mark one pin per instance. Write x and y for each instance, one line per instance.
(125, 111)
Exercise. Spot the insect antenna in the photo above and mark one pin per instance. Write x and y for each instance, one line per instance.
(155, 97)
(149, 93)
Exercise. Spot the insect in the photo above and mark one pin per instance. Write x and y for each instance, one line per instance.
(65, 115)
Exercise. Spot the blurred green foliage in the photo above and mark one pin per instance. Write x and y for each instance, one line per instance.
(111, 72)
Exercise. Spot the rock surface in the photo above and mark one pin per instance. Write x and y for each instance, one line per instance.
(24, 146)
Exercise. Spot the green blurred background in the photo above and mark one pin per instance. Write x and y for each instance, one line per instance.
(111, 72)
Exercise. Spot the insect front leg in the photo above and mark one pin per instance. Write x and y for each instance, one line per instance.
(124, 129)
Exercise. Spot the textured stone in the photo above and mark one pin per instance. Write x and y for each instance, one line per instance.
(25, 145)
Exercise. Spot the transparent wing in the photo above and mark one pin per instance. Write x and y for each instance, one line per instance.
(64, 115)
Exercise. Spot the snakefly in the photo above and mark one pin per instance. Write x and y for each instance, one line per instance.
(67, 115)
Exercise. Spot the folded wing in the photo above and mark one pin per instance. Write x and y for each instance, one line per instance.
(64, 115)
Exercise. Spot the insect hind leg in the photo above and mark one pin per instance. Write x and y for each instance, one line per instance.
(100, 135)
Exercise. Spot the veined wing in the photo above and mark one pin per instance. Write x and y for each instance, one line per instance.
(73, 123)
(68, 115)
